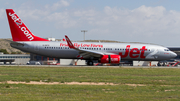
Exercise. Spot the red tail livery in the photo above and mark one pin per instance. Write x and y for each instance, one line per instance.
(19, 30)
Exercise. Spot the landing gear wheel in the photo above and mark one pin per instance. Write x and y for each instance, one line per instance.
(90, 63)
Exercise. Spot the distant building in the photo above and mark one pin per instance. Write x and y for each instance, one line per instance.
(14, 58)
(51, 39)
(55, 61)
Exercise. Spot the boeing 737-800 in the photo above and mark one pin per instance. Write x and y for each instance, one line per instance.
(113, 53)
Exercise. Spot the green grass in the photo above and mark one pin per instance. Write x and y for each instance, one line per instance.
(160, 83)
(84, 92)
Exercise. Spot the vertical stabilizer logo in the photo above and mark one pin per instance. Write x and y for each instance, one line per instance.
(19, 23)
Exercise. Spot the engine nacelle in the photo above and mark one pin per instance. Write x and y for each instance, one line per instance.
(115, 59)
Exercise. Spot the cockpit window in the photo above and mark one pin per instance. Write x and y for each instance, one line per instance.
(166, 50)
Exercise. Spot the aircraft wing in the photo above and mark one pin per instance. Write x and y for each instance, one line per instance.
(84, 53)
(89, 53)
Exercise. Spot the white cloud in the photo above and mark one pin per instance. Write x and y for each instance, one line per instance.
(25, 11)
(140, 21)
(61, 19)
(85, 13)
(64, 3)
(57, 5)
(146, 22)
(35, 14)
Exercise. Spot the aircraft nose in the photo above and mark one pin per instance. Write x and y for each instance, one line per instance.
(173, 54)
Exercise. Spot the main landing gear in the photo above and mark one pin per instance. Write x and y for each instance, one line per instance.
(90, 63)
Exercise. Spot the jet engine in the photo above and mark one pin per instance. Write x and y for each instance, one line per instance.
(115, 59)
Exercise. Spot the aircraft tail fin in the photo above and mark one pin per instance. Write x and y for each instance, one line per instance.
(19, 31)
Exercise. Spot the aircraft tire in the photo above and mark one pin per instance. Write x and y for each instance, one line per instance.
(90, 63)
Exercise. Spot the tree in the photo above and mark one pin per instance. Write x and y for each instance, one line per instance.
(13, 53)
(18, 52)
(4, 51)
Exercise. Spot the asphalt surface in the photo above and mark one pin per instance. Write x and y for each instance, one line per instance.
(93, 66)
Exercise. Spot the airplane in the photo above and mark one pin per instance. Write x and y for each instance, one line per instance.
(112, 53)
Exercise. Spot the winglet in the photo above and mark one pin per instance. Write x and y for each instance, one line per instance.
(69, 42)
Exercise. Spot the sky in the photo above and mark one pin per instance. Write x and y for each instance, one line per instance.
(147, 21)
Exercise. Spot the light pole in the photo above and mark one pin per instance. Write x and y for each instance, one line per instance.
(84, 33)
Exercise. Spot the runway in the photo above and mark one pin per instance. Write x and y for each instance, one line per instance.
(84, 66)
